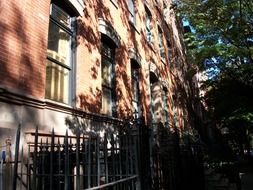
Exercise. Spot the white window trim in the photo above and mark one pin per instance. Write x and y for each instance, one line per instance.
(78, 5)
(107, 29)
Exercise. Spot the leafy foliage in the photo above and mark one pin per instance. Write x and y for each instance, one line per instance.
(221, 44)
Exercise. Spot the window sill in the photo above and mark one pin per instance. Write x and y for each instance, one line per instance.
(54, 104)
(163, 60)
(134, 26)
(114, 2)
(151, 45)
(20, 98)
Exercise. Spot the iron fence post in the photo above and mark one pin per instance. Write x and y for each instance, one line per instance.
(66, 173)
(35, 158)
(1, 172)
(89, 162)
(51, 161)
(106, 158)
(78, 159)
(15, 172)
(97, 159)
(137, 157)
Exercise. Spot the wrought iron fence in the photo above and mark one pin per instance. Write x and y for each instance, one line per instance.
(132, 158)
(174, 165)
(5, 168)
(50, 161)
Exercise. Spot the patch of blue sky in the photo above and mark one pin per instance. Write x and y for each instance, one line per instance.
(212, 69)
(187, 23)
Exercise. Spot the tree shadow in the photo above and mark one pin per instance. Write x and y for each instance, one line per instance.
(89, 34)
(123, 82)
(94, 124)
(92, 101)
(22, 67)
(18, 57)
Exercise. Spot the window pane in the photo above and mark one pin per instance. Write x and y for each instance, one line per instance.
(161, 47)
(135, 108)
(170, 51)
(148, 23)
(135, 92)
(60, 16)
(148, 28)
(160, 36)
(131, 11)
(58, 44)
(106, 73)
(57, 82)
(107, 51)
(132, 19)
(106, 101)
(166, 108)
(135, 84)
(131, 6)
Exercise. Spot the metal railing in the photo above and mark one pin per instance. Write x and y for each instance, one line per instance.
(79, 162)
(175, 165)
(132, 158)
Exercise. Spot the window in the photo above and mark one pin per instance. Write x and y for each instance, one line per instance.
(135, 75)
(108, 79)
(149, 34)
(160, 40)
(166, 107)
(131, 9)
(59, 55)
(155, 92)
(174, 101)
(170, 53)
(109, 41)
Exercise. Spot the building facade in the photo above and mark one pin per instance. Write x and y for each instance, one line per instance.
(115, 58)
(69, 63)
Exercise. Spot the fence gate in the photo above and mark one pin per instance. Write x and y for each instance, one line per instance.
(175, 166)
(64, 162)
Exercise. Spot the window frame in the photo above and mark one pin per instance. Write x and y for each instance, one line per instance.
(170, 52)
(105, 59)
(135, 84)
(69, 64)
(153, 81)
(166, 107)
(149, 26)
(175, 116)
(161, 43)
(132, 13)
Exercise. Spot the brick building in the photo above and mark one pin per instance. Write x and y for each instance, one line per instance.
(54, 55)
(65, 63)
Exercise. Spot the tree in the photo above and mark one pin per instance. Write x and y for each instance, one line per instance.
(230, 103)
(221, 44)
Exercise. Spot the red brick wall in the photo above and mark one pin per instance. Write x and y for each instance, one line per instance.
(23, 44)
(24, 26)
